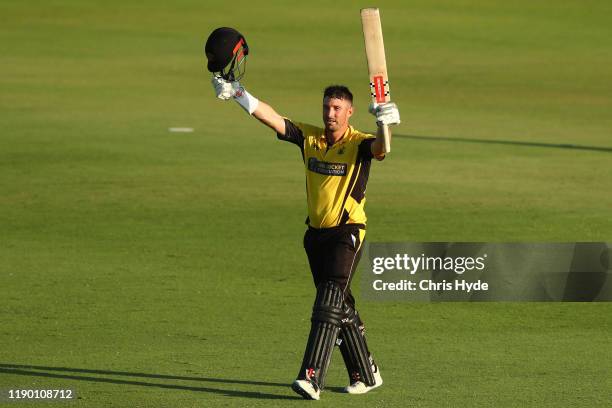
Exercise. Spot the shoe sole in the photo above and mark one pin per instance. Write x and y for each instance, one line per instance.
(299, 390)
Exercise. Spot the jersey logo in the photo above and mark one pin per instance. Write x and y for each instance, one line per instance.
(326, 168)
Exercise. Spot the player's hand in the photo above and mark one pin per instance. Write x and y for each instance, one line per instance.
(224, 89)
(386, 113)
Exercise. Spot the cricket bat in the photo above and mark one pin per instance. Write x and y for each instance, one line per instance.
(377, 64)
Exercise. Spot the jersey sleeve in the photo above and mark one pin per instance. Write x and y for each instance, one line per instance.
(365, 149)
(293, 134)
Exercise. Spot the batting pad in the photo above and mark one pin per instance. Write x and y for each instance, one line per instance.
(327, 315)
(354, 349)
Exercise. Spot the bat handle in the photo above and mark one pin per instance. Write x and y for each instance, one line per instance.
(386, 137)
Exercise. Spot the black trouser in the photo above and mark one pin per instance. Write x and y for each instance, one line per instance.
(333, 254)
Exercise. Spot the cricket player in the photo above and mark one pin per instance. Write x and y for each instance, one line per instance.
(337, 160)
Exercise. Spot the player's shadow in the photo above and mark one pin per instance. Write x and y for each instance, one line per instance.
(505, 142)
(339, 390)
(79, 374)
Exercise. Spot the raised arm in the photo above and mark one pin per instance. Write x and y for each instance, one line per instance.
(386, 114)
(268, 116)
(262, 111)
(378, 146)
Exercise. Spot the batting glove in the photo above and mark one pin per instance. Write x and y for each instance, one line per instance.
(227, 90)
(386, 113)
(224, 89)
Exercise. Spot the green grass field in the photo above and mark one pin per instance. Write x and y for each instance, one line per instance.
(144, 268)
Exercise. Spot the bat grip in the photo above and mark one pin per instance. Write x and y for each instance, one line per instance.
(386, 138)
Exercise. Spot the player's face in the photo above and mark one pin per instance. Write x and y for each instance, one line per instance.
(336, 113)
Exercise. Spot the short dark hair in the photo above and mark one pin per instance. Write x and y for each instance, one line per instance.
(339, 92)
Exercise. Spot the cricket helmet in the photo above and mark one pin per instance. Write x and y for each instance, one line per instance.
(226, 50)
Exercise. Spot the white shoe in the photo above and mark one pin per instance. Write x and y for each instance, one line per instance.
(307, 389)
(359, 387)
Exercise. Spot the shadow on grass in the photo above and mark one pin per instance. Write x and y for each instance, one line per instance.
(505, 142)
(339, 390)
(77, 374)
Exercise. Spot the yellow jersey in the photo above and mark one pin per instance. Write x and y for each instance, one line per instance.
(336, 176)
